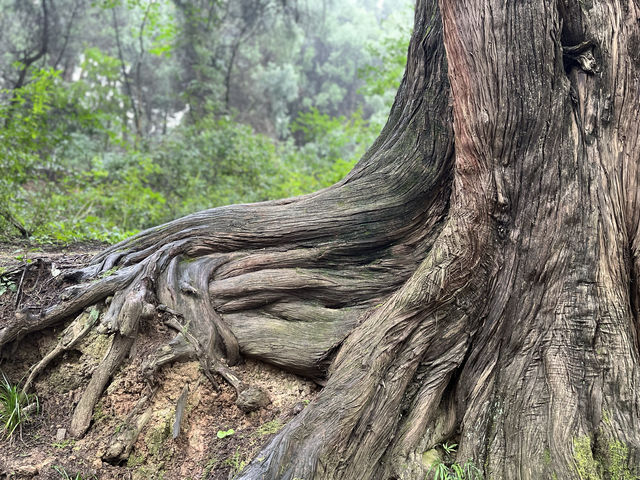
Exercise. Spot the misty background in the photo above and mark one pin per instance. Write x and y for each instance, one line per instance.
(118, 115)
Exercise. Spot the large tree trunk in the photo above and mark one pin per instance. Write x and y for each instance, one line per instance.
(472, 281)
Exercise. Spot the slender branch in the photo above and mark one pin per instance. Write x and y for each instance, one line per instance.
(139, 63)
(67, 35)
(14, 222)
(125, 75)
(227, 80)
(27, 61)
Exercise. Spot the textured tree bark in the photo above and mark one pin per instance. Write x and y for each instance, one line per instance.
(474, 280)
(543, 105)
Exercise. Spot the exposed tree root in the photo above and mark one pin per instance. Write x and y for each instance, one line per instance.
(420, 334)
(119, 349)
(178, 349)
(180, 406)
(287, 281)
(121, 442)
(70, 337)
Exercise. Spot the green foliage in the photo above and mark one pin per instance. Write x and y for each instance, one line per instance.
(69, 442)
(237, 462)
(331, 146)
(225, 433)
(25, 136)
(7, 285)
(126, 137)
(15, 407)
(210, 465)
(110, 195)
(447, 469)
(383, 74)
(213, 162)
(39, 186)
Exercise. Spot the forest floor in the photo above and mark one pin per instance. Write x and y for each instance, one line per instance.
(44, 450)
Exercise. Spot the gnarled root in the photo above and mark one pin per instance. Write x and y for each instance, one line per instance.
(386, 386)
(287, 282)
(121, 443)
(119, 349)
(70, 337)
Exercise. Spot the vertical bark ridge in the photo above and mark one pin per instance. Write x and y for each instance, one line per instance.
(427, 413)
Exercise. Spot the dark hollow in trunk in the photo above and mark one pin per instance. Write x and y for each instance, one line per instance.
(473, 280)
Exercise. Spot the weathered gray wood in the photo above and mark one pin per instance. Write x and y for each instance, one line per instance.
(180, 406)
(119, 349)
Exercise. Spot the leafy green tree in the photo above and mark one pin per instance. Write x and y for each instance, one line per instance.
(114, 141)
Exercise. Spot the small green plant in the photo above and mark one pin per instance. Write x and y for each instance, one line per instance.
(16, 407)
(66, 476)
(64, 444)
(210, 465)
(237, 462)
(447, 469)
(450, 449)
(225, 433)
(7, 285)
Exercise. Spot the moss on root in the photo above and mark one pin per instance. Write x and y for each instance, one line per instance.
(587, 466)
(608, 461)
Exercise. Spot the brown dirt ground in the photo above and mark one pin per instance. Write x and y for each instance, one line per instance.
(197, 453)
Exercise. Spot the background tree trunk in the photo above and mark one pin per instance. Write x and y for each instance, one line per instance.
(486, 297)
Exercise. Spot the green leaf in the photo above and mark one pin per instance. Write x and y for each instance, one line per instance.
(222, 433)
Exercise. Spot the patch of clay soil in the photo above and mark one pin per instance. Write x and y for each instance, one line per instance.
(196, 453)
